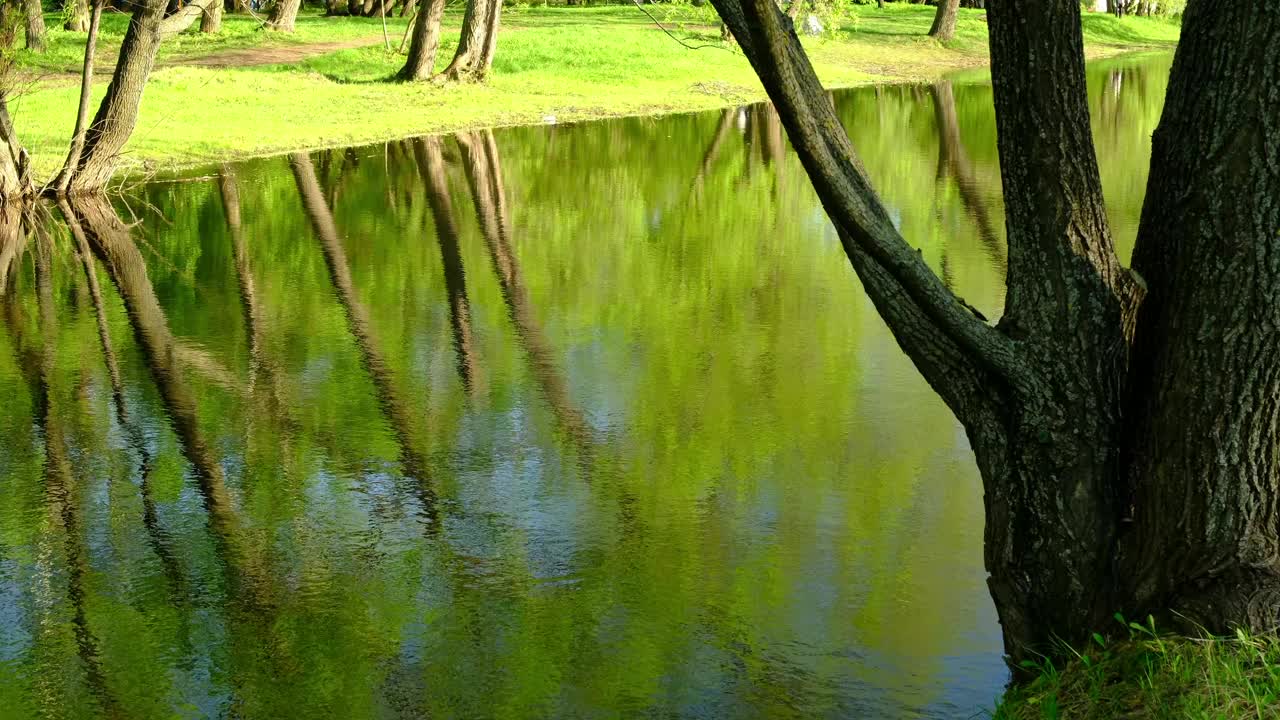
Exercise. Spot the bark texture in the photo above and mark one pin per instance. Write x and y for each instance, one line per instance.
(426, 41)
(1205, 471)
(478, 42)
(944, 21)
(1073, 443)
(118, 112)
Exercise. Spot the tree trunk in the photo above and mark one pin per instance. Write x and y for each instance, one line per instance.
(944, 21)
(63, 180)
(478, 41)
(426, 41)
(78, 18)
(284, 15)
(35, 25)
(211, 20)
(187, 15)
(1204, 473)
(118, 112)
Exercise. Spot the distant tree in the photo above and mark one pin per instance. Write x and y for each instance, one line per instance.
(284, 15)
(478, 42)
(421, 62)
(944, 21)
(77, 16)
(35, 25)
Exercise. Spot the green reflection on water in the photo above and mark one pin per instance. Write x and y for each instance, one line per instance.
(575, 421)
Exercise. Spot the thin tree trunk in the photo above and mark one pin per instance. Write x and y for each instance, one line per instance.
(426, 41)
(35, 25)
(63, 180)
(944, 21)
(478, 41)
(118, 112)
(284, 15)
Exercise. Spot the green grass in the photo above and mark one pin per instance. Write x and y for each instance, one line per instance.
(569, 63)
(1153, 676)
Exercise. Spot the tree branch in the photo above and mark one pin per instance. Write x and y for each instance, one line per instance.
(870, 240)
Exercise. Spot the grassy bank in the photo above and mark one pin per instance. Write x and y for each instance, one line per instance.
(251, 92)
(1156, 677)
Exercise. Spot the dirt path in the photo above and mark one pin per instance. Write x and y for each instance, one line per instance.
(275, 55)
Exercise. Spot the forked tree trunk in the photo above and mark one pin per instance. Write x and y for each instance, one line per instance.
(944, 21)
(284, 15)
(426, 41)
(1149, 486)
(35, 25)
(478, 42)
(78, 17)
(118, 112)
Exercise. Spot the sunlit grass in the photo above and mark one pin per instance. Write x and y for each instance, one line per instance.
(562, 63)
(1156, 676)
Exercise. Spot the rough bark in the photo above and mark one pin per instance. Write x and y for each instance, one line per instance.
(426, 41)
(118, 113)
(35, 25)
(944, 20)
(63, 180)
(15, 178)
(1205, 471)
(478, 41)
(284, 15)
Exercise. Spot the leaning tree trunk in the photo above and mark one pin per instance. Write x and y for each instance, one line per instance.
(118, 112)
(186, 17)
(426, 41)
(35, 25)
(1204, 473)
(478, 41)
(284, 15)
(63, 180)
(78, 17)
(944, 21)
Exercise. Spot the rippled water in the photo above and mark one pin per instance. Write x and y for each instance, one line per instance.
(569, 421)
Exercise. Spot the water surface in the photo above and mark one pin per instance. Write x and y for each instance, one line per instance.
(569, 421)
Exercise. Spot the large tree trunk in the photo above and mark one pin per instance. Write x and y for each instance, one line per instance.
(118, 112)
(78, 17)
(944, 21)
(1169, 465)
(426, 41)
(284, 15)
(187, 15)
(1204, 470)
(478, 42)
(35, 25)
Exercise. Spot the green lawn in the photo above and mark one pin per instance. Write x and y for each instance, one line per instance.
(566, 63)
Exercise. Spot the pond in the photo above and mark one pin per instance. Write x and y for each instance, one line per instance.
(579, 421)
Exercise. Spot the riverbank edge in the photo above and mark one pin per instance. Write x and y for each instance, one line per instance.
(139, 167)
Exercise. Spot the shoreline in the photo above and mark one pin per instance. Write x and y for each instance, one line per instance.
(600, 65)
